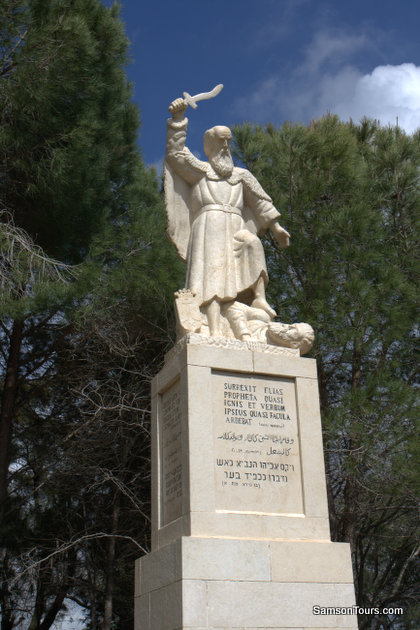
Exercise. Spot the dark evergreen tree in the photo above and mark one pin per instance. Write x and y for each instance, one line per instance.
(67, 122)
(67, 140)
(82, 303)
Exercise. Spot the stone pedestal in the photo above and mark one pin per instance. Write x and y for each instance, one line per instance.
(240, 530)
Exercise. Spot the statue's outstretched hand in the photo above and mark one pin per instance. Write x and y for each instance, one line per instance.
(177, 108)
(280, 234)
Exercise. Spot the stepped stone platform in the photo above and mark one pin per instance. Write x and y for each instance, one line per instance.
(240, 529)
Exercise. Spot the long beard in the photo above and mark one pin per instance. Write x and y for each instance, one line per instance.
(222, 164)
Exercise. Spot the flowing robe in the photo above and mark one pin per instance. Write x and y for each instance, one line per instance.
(215, 222)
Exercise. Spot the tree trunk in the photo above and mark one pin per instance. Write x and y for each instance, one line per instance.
(39, 604)
(109, 589)
(7, 410)
(7, 614)
(54, 609)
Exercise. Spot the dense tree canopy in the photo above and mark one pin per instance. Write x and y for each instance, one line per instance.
(68, 125)
(83, 318)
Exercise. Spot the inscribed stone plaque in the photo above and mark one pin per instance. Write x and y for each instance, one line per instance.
(256, 444)
(170, 455)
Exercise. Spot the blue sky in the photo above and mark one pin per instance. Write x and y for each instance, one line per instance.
(278, 60)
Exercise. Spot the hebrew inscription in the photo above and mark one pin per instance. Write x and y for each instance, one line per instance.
(171, 455)
(256, 445)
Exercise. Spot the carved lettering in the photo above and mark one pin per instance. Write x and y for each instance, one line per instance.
(171, 454)
(263, 452)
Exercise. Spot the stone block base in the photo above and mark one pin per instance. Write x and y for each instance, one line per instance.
(234, 584)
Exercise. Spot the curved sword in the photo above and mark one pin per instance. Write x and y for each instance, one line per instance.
(192, 100)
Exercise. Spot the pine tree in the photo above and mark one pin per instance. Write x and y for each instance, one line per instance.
(350, 197)
(83, 295)
(67, 140)
(67, 122)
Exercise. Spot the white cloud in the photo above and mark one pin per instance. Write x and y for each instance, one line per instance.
(388, 93)
(328, 80)
(299, 95)
(330, 49)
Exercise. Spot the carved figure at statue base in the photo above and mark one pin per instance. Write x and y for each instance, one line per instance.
(217, 213)
(240, 321)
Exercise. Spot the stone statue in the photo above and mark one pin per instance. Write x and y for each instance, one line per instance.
(216, 214)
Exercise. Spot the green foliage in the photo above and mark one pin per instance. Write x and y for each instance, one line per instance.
(78, 342)
(350, 197)
(131, 262)
(68, 126)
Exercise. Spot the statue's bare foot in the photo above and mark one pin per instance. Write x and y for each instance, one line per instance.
(215, 332)
(262, 303)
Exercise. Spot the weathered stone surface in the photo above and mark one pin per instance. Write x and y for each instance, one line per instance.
(239, 447)
(246, 584)
(240, 532)
(216, 215)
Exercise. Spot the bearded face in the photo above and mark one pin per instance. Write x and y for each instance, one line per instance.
(221, 161)
(216, 147)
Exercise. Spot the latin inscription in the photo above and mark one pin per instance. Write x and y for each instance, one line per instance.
(171, 455)
(256, 445)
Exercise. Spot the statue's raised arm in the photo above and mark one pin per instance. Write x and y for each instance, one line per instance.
(217, 213)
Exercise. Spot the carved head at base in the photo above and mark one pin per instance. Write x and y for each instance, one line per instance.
(299, 335)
